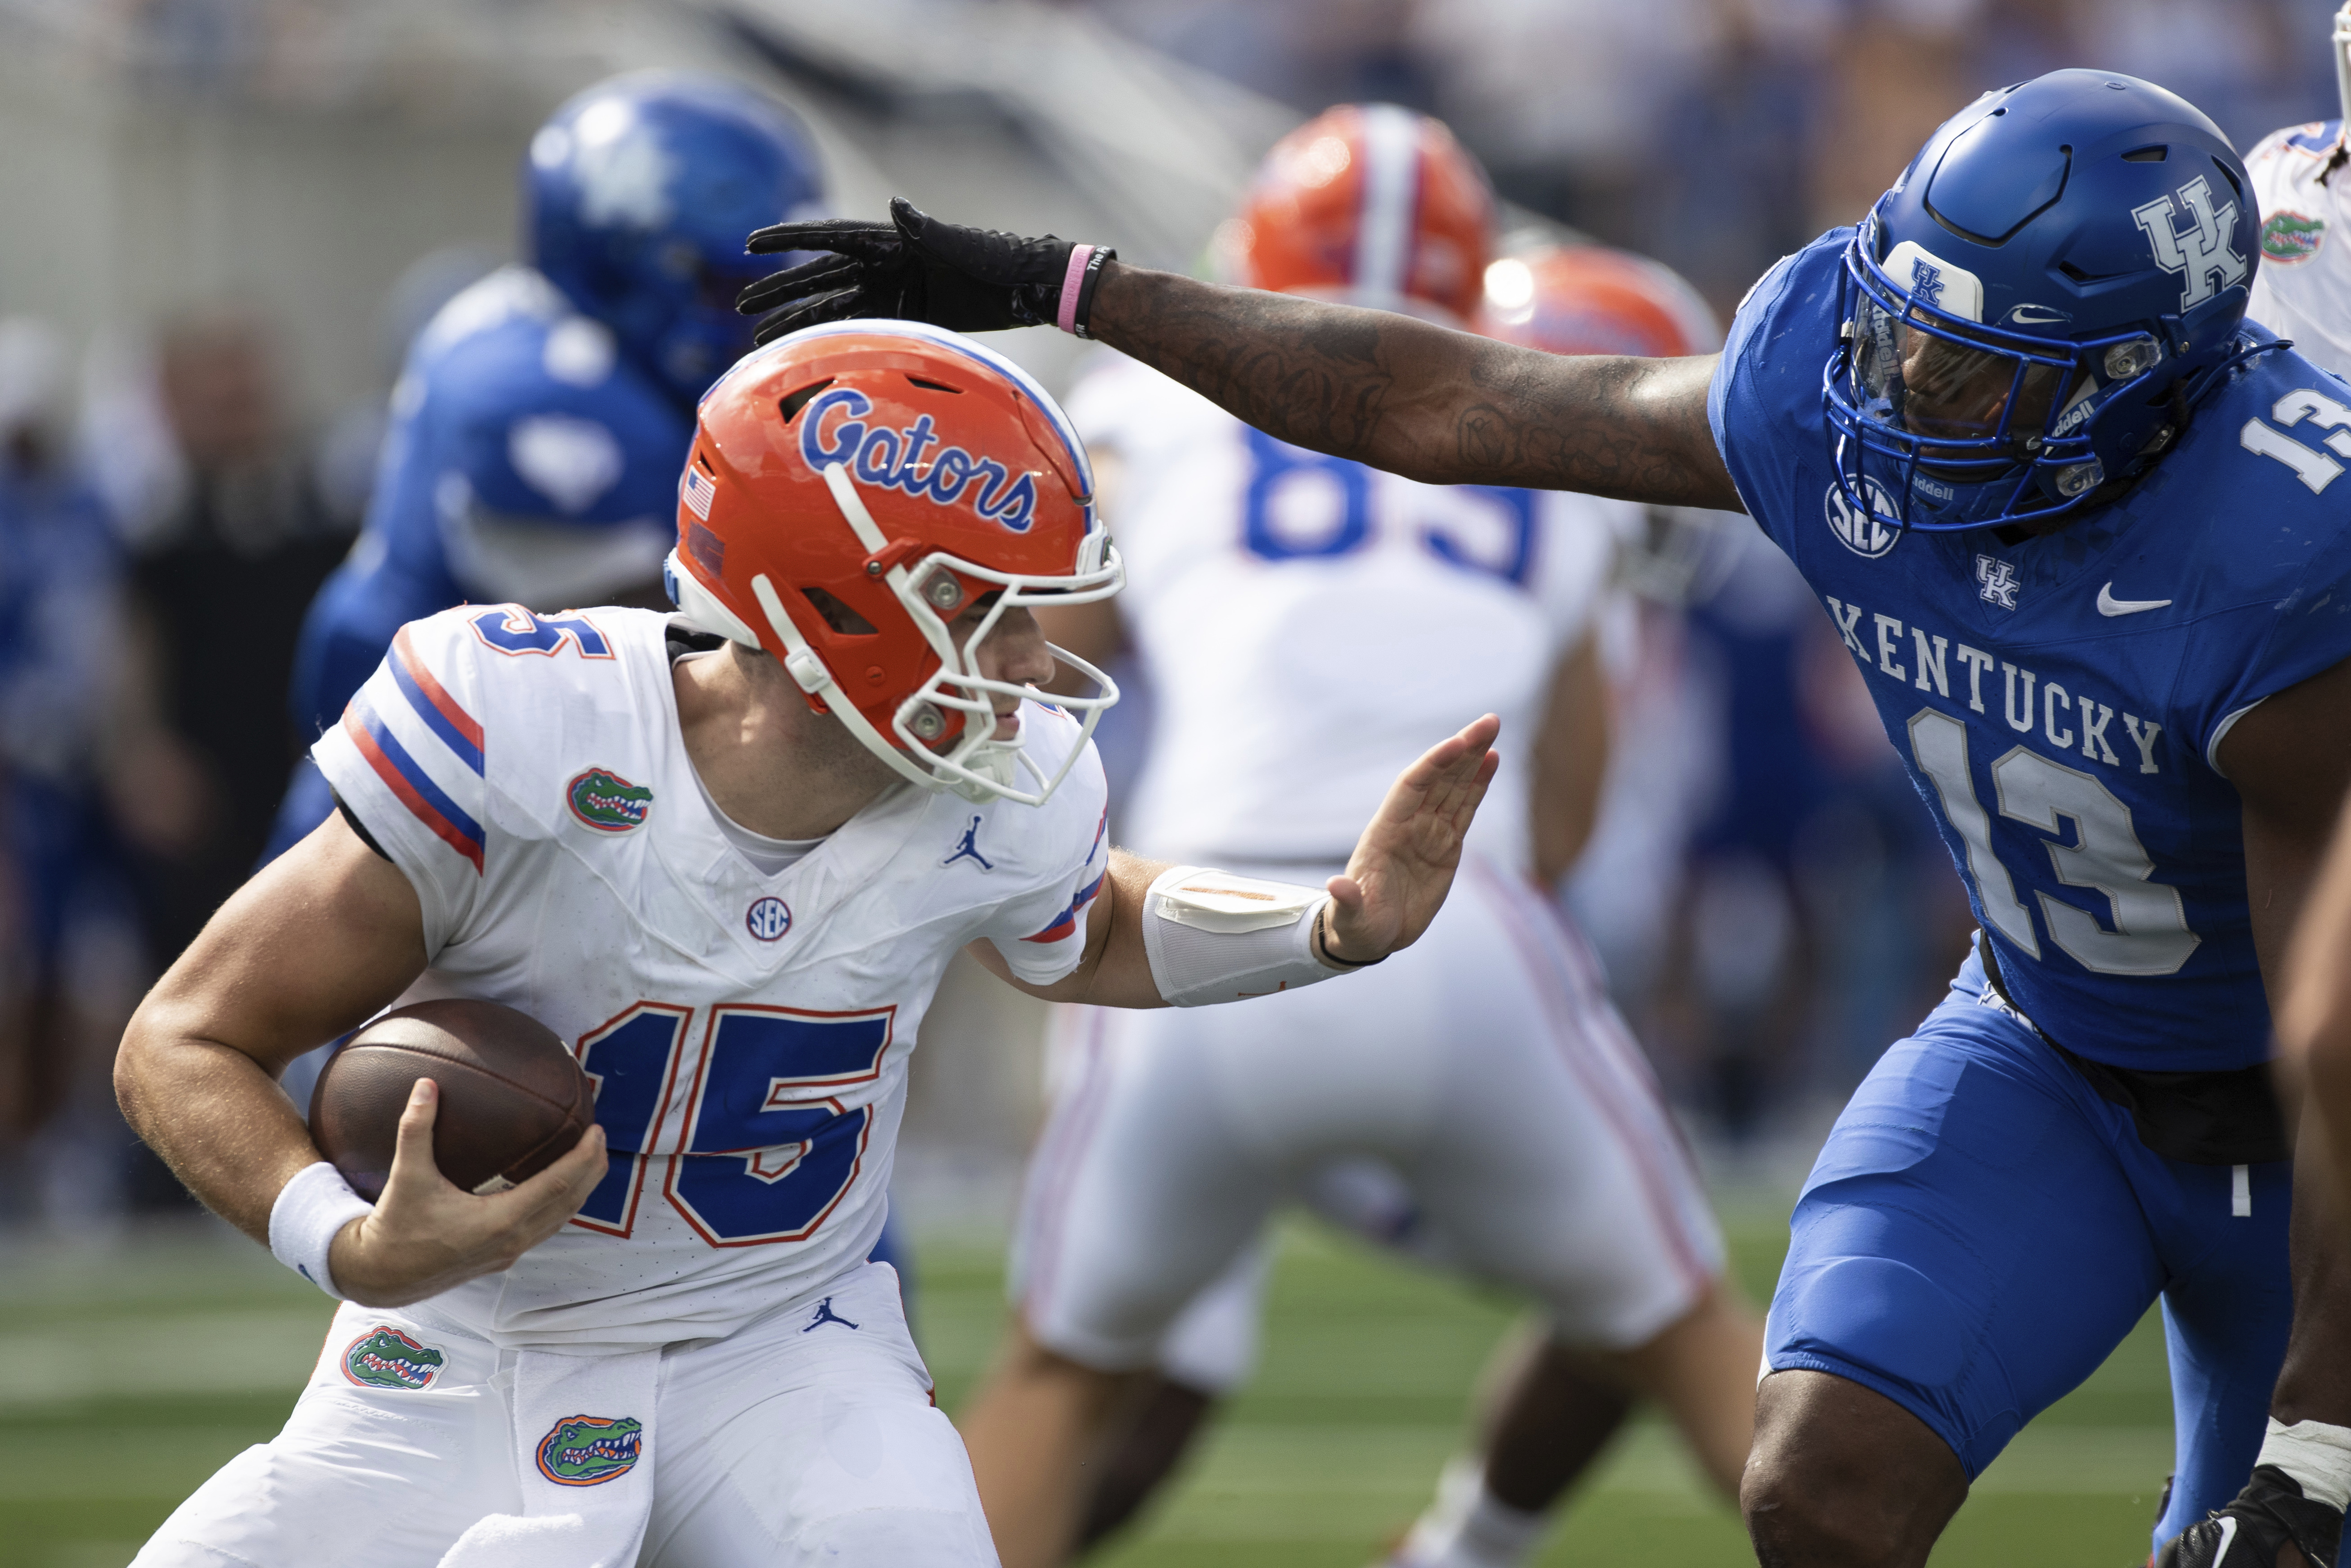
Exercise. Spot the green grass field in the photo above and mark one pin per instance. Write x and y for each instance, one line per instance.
(127, 1377)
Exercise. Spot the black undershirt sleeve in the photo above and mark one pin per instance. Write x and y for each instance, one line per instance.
(357, 826)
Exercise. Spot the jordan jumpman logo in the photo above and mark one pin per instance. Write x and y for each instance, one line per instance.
(968, 850)
(825, 1314)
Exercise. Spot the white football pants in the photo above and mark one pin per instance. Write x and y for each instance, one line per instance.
(807, 1437)
(1474, 1101)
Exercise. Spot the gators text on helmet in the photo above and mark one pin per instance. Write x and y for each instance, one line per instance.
(852, 489)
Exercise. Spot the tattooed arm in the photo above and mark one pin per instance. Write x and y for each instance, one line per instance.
(1440, 406)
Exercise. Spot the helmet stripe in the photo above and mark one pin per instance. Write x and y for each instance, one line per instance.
(1390, 195)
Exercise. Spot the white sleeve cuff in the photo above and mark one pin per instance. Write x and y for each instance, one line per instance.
(1212, 937)
(311, 1212)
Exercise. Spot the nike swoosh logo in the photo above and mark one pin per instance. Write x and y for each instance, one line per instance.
(2228, 1534)
(2109, 605)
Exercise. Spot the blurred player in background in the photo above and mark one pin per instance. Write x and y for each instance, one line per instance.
(729, 853)
(82, 755)
(2017, 470)
(539, 421)
(2303, 289)
(1479, 1104)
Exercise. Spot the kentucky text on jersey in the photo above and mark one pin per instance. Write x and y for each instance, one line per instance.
(1929, 669)
(2061, 701)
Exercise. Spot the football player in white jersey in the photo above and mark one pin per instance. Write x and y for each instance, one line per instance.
(1299, 617)
(2302, 289)
(728, 857)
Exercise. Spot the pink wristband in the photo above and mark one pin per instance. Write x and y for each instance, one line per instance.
(1066, 318)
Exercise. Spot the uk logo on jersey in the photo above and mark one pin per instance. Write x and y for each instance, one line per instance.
(1864, 536)
(1999, 581)
(2205, 256)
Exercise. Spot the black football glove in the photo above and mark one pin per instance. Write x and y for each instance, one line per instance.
(2248, 1533)
(915, 267)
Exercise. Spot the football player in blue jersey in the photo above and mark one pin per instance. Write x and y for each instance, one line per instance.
(2080, 525)
(542, 416)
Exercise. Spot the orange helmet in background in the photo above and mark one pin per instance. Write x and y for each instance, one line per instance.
(1370, 202)
(855, 487)
(1591, 299)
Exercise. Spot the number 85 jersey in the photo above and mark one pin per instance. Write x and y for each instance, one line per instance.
(747, 1034)
(2061, 701)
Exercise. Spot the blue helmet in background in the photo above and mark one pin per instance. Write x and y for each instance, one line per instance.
(640, 193)
(2028, 312)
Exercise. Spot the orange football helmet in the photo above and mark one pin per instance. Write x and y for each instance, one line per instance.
(854, 486)
(1368, 202)
(1591, 299)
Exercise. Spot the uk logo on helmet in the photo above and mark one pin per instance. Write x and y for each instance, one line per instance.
(894, 459)
(2205, 256)
(1926, 282)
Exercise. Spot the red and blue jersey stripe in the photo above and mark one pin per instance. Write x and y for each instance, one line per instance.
(403, 775)
(434, 704)
(1065, 923)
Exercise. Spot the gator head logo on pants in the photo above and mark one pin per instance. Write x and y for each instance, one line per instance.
(387, 1358)
(586, 1450)
(608, 802)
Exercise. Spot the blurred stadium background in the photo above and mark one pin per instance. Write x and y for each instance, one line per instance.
(220, 221)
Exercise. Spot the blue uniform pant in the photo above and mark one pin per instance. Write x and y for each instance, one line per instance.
(1981, 1229)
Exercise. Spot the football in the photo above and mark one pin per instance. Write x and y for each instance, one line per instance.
(512, 1098)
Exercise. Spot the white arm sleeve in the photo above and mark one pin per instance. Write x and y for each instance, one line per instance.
(1212, 937)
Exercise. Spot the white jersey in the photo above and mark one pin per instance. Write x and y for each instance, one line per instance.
(2302, 289)
(747, 1034)
(1309, 625)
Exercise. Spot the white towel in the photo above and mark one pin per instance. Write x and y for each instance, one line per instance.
(583, 1428)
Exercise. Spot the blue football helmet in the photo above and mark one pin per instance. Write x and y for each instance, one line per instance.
(640, 193)
(2031, 309)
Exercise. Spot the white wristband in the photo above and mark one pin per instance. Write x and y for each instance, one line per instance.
(1212, 937)
(311, 1212)
(2316, 1454)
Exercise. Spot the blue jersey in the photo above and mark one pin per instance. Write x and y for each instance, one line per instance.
(527, 460)
(2059, 701)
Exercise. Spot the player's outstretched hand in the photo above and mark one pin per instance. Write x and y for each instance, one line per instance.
(1403, 865)
(915, 267)
(426, 1234)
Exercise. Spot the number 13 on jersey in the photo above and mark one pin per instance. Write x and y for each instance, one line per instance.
(767, 1150)
(2149, 934)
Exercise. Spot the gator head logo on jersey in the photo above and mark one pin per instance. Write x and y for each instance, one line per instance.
(387, 1358)
(589, 1450)
(608, 802)
(2289, 237)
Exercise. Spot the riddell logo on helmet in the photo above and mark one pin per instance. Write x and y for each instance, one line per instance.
(895, 460)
